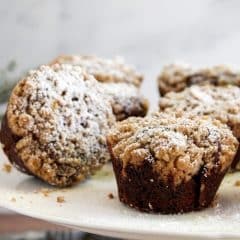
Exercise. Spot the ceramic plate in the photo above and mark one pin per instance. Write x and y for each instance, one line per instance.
(89, 208)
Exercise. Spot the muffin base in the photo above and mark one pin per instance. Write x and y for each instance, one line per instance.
(140, 187)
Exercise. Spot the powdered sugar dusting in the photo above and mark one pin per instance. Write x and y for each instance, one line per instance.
(201, 96)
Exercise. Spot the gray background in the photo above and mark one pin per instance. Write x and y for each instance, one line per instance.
(148, 33)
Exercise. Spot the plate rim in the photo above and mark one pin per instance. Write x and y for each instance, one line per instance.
(121, 230)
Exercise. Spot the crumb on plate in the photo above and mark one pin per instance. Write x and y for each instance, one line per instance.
(7, 168)
(45, 191)
(60, 199)
(237, 183)
(110, 196)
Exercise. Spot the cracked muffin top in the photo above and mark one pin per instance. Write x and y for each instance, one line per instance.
(176, 77)
(177, 148)
(60, 117)
(104, 70)
(222, 103)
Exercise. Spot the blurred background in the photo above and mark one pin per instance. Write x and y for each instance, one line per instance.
(147, 33)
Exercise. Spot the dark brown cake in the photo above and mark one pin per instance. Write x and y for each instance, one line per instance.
(176, 77)
(55, 131)
(120, 82)
(170, 165)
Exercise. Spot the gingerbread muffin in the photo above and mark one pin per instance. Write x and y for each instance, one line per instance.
(222, 103)
(176, 77)
(125, 100)
(170, 165)
(104, 70)
(55, 125)
(120, 82)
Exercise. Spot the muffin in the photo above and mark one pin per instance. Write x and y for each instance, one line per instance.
(104, 70)
(55, 125)
(125, 100)
(222, 103)
(120, 82)
(176, 77)
(170, 165)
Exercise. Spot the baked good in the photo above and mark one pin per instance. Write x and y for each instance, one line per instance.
(222, 103)
(120, 82)
(176, 77)
(55, 125)
(170, 165)
(104, 70)
(126, 101)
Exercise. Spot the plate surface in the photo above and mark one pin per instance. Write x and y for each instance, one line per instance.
(87, 207)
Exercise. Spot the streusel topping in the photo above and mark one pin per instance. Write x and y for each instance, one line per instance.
(176, 77)
(104, 70)
(177, 147)
(222, 103)
(61, 117)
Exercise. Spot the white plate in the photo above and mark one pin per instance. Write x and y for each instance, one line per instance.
(88, 208)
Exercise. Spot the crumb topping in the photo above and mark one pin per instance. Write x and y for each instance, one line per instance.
(176, 77)
(222, 103)
(176, 147)
(104, 70)
(61, 116)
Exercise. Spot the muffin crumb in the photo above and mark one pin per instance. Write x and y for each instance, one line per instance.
(13, 199)
(60, 199)
(110, 196)
(237, 183)
(7, 168)
(45, 191)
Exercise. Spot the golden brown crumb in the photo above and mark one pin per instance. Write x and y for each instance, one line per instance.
(237, 183)
(45, 191)
(13, 199)
(60, 199)
(110, 196)
(7, 168)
